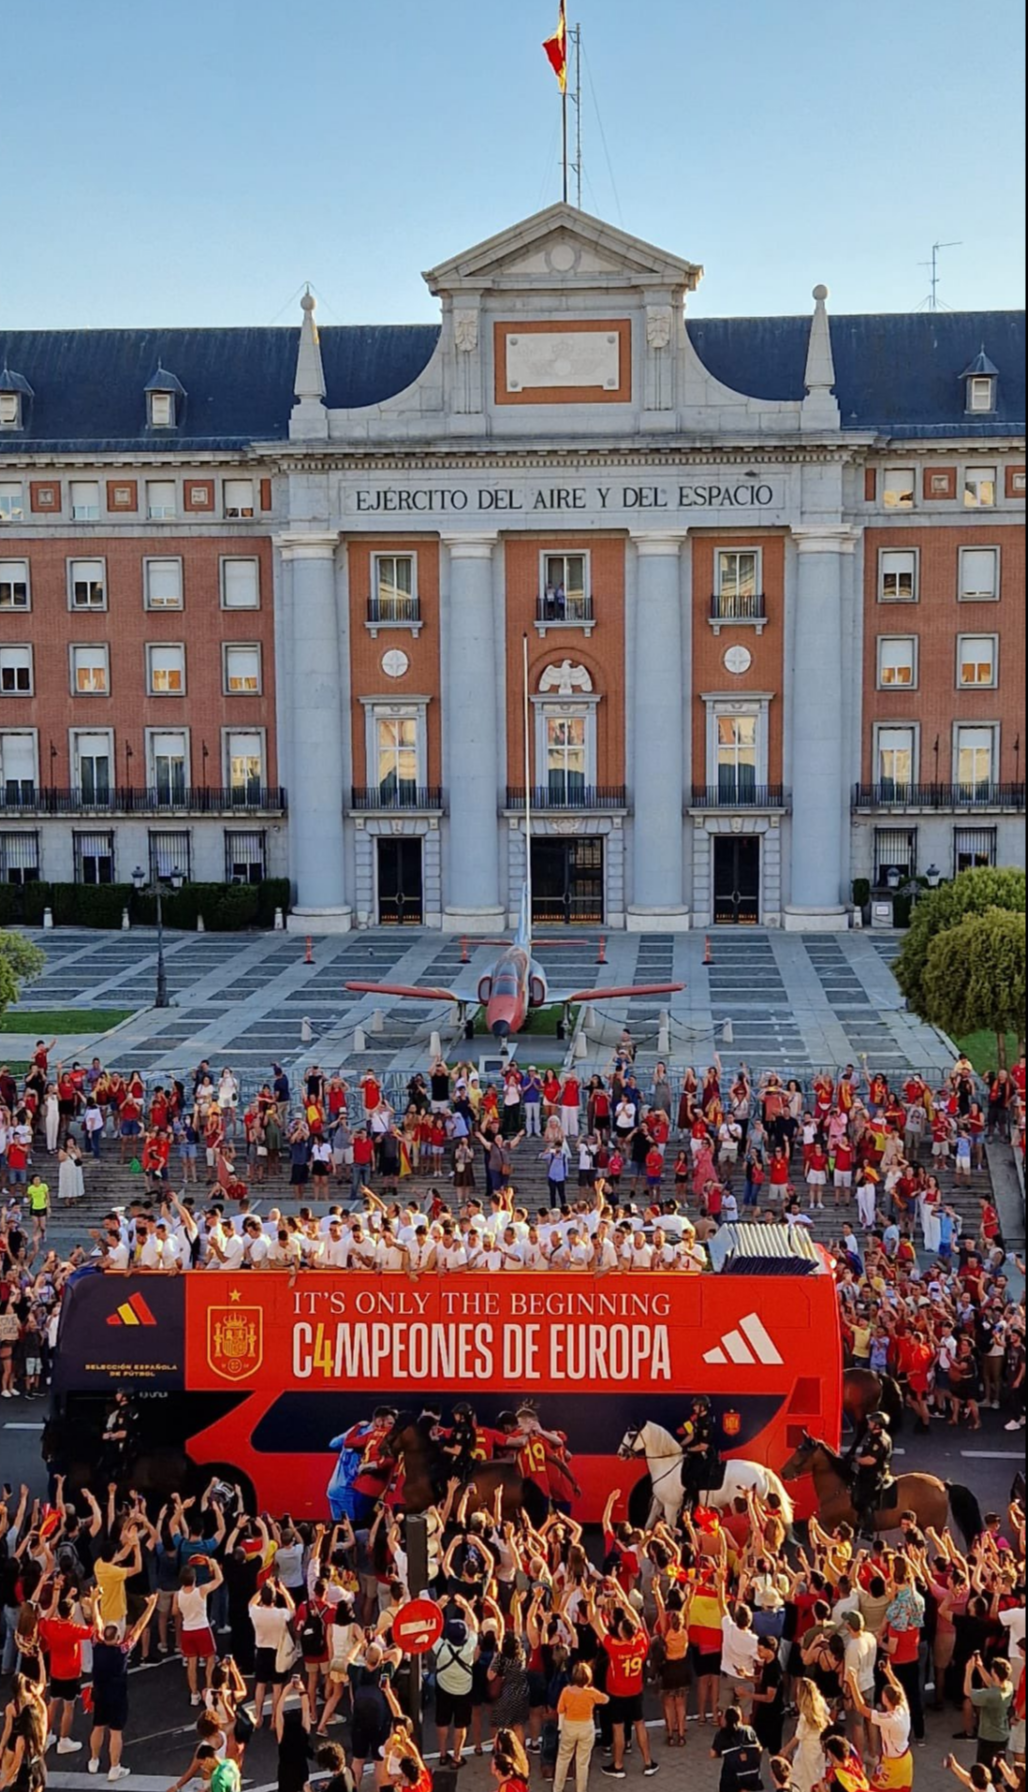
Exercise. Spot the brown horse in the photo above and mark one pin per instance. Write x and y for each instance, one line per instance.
(931, 1501)
(427, 1469)
(864, 1392)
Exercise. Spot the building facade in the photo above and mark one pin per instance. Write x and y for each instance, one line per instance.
(267, 600)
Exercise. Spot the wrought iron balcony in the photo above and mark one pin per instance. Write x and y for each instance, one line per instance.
(561, 611)
(890, 795)
(747, 608)
(371, 798)
(739, 796)
(394, 612)
(247, 799)
(564, 796)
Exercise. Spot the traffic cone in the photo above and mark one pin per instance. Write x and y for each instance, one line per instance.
(601, 956)
(465, 955)
(708, 956)
(308, 957)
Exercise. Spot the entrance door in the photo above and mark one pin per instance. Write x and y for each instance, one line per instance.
(399, 882)
(567, 882)
(737, 880)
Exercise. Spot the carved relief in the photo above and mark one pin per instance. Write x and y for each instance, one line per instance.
(465, 331)
(659, 319)
(565, 679)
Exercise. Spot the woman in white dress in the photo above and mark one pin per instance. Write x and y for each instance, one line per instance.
(71, 1184)
(51, 1117)
(805, 1750)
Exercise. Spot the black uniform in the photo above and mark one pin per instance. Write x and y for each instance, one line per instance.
(871, 1468)
(120, 1439)
(697, 1463)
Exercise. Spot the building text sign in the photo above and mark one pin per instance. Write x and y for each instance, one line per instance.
(721, 491)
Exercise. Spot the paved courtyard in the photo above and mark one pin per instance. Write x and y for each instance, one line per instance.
(791, 1001)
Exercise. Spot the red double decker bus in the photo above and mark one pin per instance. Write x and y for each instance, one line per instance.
(258, 1379)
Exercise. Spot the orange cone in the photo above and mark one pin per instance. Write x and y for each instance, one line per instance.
(465, 955)
(308, 957)
(708, 956)
(601, 956)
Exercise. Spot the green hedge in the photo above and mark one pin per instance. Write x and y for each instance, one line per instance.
(226, 908)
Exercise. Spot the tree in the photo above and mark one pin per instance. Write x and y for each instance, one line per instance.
(974, 977)
(972, 893)
(20, 961)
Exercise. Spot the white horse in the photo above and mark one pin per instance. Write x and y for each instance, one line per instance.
(664, 1461)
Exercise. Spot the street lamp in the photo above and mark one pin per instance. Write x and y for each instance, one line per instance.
(175, 880)
(933, 876)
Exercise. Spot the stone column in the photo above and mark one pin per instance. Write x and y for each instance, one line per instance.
(316, 792)
(820, 800)
(472, 727)
(659, 744)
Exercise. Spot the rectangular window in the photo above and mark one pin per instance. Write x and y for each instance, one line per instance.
(973, 848)
(895, 752)
(10, 410)
(898, 488)
(91, 759)
(240, 585)
(398, 758)
(239, 497)
(395, 596)
(168, 766)
(87, 585)
(14, 584)
(94, 858)
(85, 500)
(160, 499)
(245, 756)
(90, 671)
(19, 858)
(162, 584)
(979, 575)
(738, 573)
(895, 851)
(12, 501)
(979, 488)
(18, 768)
(981, 393)
(166, 669)
(897, 576)
(897, 662)
(565, 757)
(976, 660)
(565, 595)
(736, 757)
(245, 856)
(162, 410)
(242, 669)
(975, 754)
(169, 855)
(16, 671)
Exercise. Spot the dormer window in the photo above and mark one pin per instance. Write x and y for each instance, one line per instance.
(162, 410)
(165, 400)
(15, 391)
(980, 382)
(10, 410)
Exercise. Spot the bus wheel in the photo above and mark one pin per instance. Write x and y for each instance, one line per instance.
(204, 1473)
(639, 1502)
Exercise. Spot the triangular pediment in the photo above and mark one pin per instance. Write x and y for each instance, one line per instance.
(562, 246)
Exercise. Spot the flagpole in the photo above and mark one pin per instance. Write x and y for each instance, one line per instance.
(564, 137)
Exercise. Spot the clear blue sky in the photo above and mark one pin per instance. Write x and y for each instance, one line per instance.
(193, 162)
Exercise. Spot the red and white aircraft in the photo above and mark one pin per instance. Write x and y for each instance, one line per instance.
(515, 984)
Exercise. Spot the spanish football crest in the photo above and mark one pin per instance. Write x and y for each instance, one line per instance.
(235, 1341)
(731, 1424)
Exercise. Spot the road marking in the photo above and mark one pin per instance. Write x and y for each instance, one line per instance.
(136, 1782)
(22, 1425)
(992, 1455)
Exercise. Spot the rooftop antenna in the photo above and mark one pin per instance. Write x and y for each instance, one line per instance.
(933, 302)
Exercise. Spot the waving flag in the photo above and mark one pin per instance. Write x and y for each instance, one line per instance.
(556, 48)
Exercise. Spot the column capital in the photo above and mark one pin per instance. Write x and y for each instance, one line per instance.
(478, 546)
(826, 540)
(307, 547)
(666, 542)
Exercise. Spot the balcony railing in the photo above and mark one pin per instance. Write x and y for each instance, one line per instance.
(563, 796)
(891, 795)
(738, 606)
(739, 796)
(394, 612)
(560, 610)
(401, 797)
(249, 799)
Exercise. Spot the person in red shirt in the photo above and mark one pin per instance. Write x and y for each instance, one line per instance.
(817, 1175)
(371, 1092)
(63, 1640)
(917, 1360)
(626, 1645)
(41, 1055)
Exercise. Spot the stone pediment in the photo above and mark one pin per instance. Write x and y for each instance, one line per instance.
(562, 247)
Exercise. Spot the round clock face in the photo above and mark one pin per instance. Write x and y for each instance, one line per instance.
(738, 660)
(395, 663)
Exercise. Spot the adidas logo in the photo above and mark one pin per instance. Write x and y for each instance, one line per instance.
(133, 1312)
(748, 1346)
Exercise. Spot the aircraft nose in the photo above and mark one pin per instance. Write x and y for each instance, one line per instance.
(501, 1029)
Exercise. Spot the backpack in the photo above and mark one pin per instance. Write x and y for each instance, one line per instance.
(312, 1633)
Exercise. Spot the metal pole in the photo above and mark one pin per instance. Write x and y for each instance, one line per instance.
(162, 979)
(564, 139)
(577, 35)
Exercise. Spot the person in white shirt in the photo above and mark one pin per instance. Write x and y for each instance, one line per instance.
(534, 1250)
(729, 1135)
(451, 1256)
(336, 1249)
(512, 1252)
(255, 1246)
(861, 1657)
(393, 1257)
(605, 1257)
(640, 1259)
(284, 1252)
(161, 1250)
(729, 1208)
(116, 1256)
(663, 1250)
(577, 1253)
(363, 1250)
(422, 1251)
(225, 1249)
(487, 1257)
(739, 1652)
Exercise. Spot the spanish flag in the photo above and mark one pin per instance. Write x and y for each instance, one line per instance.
(556, 48)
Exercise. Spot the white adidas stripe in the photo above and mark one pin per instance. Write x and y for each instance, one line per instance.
(749, 1346)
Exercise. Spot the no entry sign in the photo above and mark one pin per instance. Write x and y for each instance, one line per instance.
(418, 1626)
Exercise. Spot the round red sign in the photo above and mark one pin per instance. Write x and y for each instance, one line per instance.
(418, 1626)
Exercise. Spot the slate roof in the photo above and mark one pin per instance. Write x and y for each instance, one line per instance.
(897, 374)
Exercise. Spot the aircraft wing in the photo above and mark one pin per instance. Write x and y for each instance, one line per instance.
(625, 989)
(410, 990)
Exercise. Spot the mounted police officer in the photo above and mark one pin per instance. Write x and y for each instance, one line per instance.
(870, 1464)
(699, 1455)
(120, 1442)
